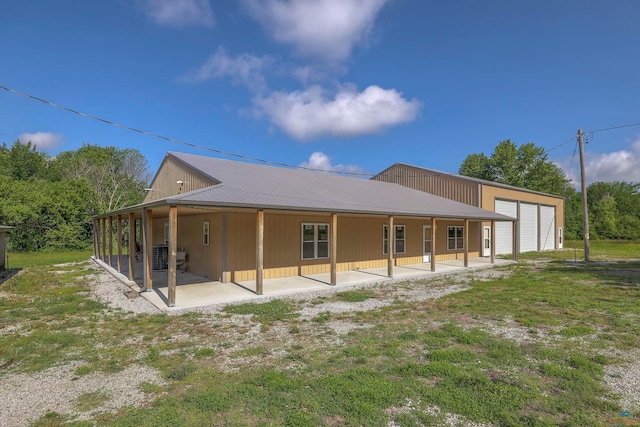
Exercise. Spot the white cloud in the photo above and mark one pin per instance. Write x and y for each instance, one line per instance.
(321, 161)
(244, 68)
(324, 29)
(308, 114)
(623, 165)
(42, 140)
(179, 13)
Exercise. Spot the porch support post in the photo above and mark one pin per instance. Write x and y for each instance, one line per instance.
(433, 244)
(259, 251)
(110, 241)
(225, 276)
(119, 236)
(466, 242)
(492, 242)
(514, 242)
(147, 249)
(391, 237)
(173, 244)
(104, 239)
(95, 239)
(334, 248)
(132, 246)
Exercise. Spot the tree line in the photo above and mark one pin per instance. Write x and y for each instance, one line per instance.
(614, 207)
(51, 201)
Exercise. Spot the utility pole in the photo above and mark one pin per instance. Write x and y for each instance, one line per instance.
(585, 211)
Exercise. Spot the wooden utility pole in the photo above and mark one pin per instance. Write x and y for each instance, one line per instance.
(585, 211)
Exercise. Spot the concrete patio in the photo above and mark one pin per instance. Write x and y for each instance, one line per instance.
(196, 291)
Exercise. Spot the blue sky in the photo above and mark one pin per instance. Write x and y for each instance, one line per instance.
(348, 85)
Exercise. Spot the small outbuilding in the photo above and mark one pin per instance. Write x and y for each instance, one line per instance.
(3, 246)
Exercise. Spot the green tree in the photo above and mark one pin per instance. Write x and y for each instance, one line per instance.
(23, 161)
(477, 166)
(573, 219)
(526, 166)
(51, 202)
(117, 177)
(614, 209)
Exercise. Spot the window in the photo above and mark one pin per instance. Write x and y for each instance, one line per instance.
(315, 241)
(398, 241)
(205, 233)
(455, 238)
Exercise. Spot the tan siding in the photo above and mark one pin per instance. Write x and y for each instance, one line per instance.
(475, 241)
(241, 244)
(359, 244)
(491, 193)
(165, 182)
(203, 260)
(432, 182)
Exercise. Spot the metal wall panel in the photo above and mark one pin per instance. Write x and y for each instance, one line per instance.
(165, 183)
(433, 182)
(528, 227)
(504, 230)
(547, 228)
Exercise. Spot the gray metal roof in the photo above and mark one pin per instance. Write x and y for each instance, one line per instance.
(267, 187)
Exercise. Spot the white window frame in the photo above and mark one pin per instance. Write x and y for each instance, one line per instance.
(385, 245)
(206, 233)
(458, 234)
(316, 240)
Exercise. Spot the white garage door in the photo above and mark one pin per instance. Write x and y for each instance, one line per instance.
(528, 227)
(504, 229)
(547, 228)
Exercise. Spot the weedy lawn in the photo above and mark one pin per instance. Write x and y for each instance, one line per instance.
(529, 345)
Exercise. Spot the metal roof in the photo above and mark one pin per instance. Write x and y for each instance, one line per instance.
(471, 179)
(258, 186)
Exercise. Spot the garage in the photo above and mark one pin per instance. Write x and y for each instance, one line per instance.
(547, 228)
(504, 230)
(528, 227)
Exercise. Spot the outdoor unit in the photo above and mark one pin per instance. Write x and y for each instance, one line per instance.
(160, 257)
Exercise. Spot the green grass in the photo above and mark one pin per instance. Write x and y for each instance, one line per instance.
(265, 312)
(41, 259)
(599, 250)
(272, 367)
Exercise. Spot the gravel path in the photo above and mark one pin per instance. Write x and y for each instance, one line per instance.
(111, 291)
(28, 396)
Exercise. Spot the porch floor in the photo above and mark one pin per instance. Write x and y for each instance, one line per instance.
(196, 291)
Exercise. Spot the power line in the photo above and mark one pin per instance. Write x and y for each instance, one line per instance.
(176, 141)
(561, 144)
(614, 127)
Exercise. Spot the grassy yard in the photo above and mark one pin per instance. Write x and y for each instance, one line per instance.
(530, 345)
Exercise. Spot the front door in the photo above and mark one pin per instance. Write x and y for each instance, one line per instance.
(486, 241)
(426, 246)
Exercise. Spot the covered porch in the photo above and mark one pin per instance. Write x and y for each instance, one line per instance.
(194, 291)
(136, 224)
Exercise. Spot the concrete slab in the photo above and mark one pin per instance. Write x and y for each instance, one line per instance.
(195, 291)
